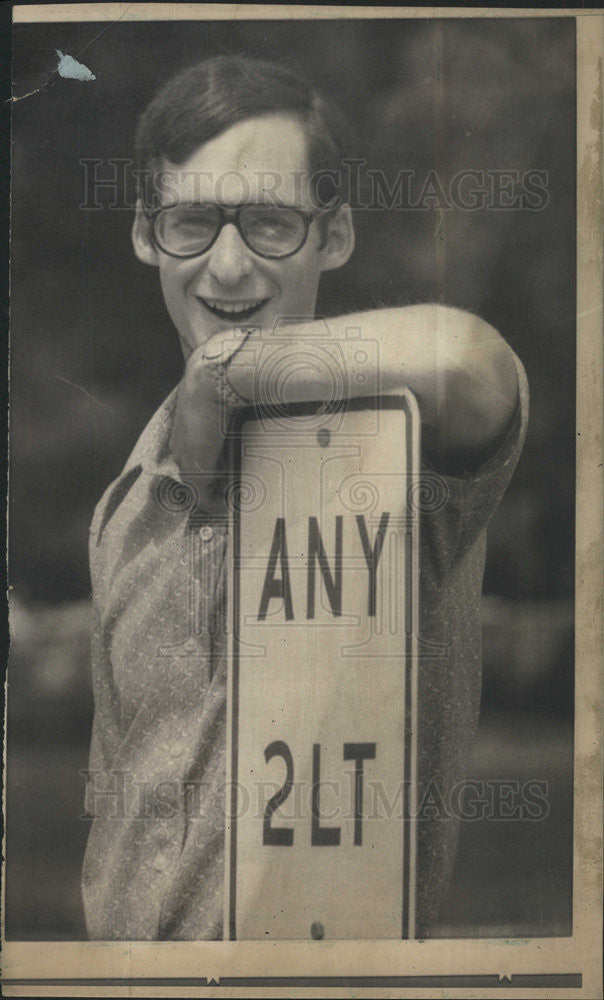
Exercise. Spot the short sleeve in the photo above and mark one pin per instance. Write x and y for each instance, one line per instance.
(470, 499)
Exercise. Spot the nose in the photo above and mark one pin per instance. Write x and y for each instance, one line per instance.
(229, 259)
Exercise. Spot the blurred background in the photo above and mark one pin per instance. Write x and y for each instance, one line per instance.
(93, 354)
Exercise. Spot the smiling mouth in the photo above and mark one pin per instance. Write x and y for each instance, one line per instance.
(233, 312)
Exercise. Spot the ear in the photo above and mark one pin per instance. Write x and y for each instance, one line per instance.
(142, 238)
(339, 242)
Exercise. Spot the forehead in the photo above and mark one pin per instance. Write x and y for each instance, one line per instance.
(258, 159)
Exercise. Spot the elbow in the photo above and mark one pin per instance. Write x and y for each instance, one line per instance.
(482, 389)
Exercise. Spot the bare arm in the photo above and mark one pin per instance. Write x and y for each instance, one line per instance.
(460, 369)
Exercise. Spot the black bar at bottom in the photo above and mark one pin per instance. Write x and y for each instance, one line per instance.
(556, 980)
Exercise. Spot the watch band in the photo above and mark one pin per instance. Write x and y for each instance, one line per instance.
(219, 357)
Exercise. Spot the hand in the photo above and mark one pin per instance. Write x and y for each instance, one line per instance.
(200, 419)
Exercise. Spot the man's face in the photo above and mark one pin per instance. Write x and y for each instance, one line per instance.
(229, 284)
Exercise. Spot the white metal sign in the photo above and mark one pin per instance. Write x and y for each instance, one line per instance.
(322, 699)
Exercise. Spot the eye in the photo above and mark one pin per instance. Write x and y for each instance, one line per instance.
(193, 218)
(185, 228)
(272, 224)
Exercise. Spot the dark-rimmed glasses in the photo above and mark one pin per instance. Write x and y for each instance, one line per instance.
(270, 231)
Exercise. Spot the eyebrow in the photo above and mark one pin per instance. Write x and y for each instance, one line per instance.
(234, 205)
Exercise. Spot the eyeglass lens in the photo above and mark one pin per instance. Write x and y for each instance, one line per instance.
(267, 229)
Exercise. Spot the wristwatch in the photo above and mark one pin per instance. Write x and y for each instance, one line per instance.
(219, 355)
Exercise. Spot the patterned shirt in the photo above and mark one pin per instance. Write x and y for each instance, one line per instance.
(154, 865)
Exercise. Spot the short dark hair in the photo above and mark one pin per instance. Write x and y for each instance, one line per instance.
(204, 100)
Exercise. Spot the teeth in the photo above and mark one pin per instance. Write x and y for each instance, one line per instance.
(233, 307)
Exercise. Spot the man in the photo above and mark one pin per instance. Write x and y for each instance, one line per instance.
(232, 150)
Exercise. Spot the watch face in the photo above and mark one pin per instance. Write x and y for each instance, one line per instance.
(223, 347)
(218, 350)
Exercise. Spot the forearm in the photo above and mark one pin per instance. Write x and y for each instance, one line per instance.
(460, 369)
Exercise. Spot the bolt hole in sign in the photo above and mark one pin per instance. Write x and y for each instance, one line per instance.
(322, 688)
